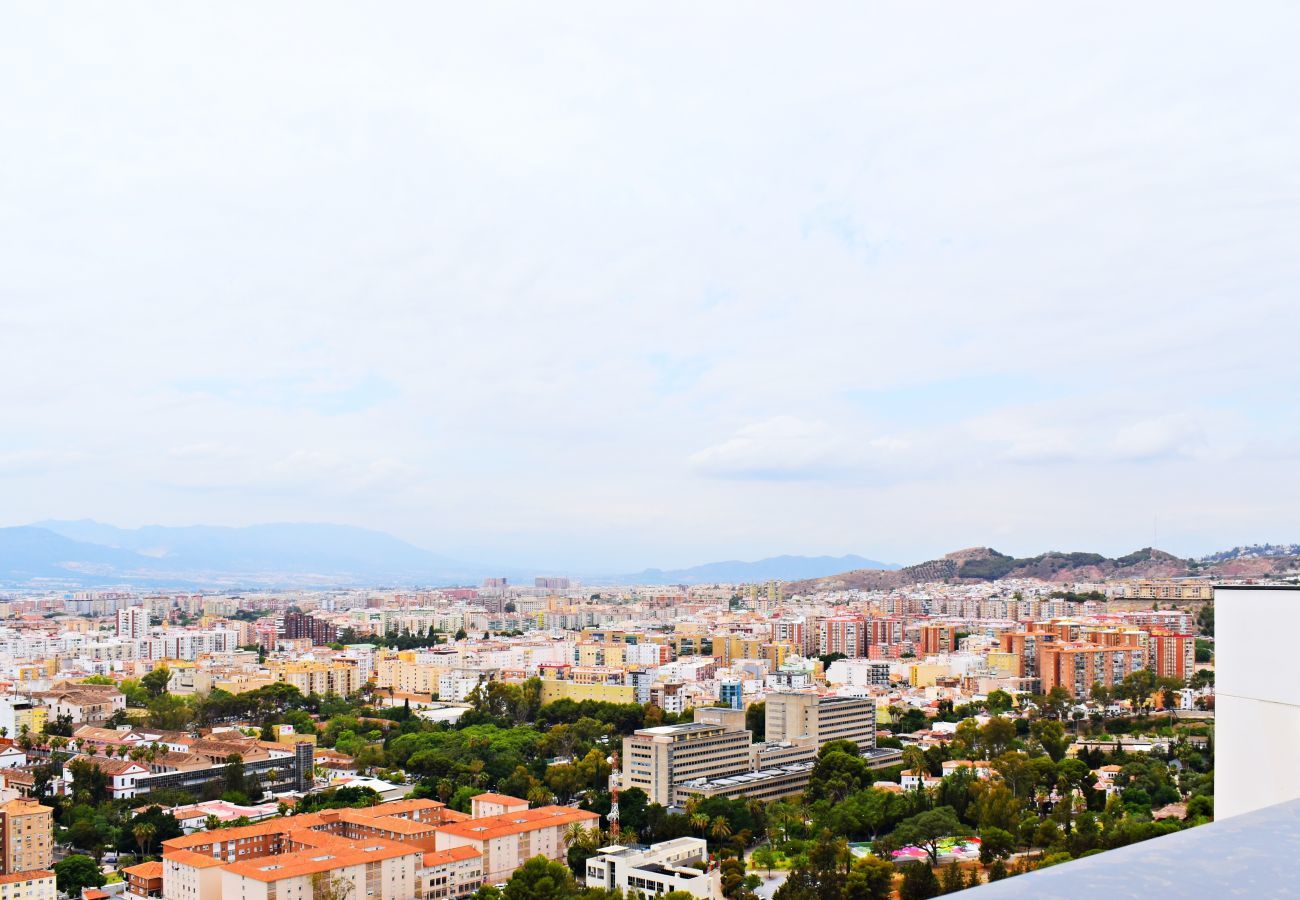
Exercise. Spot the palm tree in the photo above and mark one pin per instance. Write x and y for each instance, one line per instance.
(144, 833)
(720, 829)
(692, 805)
(576, 835)
(699, 822)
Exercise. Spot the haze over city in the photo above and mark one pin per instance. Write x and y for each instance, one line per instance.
(603, 292)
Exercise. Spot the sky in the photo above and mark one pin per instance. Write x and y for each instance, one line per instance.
(616, 285)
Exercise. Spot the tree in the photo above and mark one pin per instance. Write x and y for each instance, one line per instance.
(144, 834)
(327, 886)
(998, 870)
(756, 720)
(919, 882)
(926, 829)
(1051, 734)
(998, 701)
(76, 872)
(234, 780)
(764, 858)
(155, 682)
(871, 878)
(997, 734)
(720, 829)
(540, 879)
(952, 880)
(996, 843)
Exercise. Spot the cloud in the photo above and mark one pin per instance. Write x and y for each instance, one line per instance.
(406, 271)
(787, 448)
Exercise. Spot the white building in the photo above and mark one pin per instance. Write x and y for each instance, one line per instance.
(658, 869)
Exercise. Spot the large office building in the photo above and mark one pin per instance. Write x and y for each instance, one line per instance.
(796, 717)
(655, 759)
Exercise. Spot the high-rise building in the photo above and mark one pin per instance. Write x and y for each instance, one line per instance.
(656, 759)
(298, 625)
(1077, 666)
(938, 638)
(26, 835)
(842, 634)
(133, 622)
(1172, 655)
(797, 716)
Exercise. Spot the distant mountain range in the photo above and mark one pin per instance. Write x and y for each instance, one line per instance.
(982, 564)
(59, 553)
(774, 568)
(84, 553)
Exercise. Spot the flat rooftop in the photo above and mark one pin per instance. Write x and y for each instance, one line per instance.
(1251, 855)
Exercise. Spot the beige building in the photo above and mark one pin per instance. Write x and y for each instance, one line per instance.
(507, 841)
(28, 831)
(316, 677)
(371, 869)
(35, 885)
(655, 759)
(795, 717)
(406, 676)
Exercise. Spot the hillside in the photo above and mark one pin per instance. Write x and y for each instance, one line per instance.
(779, 568)
(981, 564)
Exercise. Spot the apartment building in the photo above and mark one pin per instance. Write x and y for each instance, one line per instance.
(133, 622)
(319, 677)
(820, 718)
(842, 634)
(35, 885)
(1078, 665)
(505, 842)
(404, 675)
(451, 874)
(1172, 655)
(379, 851)
(26, 836)
(1166, 589)
(302, 625)
(655, 759)
(937, 638)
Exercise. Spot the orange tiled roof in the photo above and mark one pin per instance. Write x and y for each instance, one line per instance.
(455, 854)
(489, 827)
(503, 799)
(151, 869)
(308, 862)
(25, 876)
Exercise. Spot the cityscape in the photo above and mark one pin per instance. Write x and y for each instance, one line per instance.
(587, 451)
(774, 739)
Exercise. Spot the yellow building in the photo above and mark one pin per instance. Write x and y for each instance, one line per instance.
(1005, 663)
(925, 674)
(312, 677)
(590, 653)
(405, 676)
(553, 690)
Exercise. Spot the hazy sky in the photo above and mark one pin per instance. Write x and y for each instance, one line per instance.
(581, 285)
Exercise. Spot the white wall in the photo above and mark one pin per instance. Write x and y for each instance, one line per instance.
(1257, 698)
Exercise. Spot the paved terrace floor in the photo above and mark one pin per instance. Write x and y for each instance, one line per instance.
(1254, 855)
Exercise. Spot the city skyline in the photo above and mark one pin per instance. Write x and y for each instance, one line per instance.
(609, 293)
